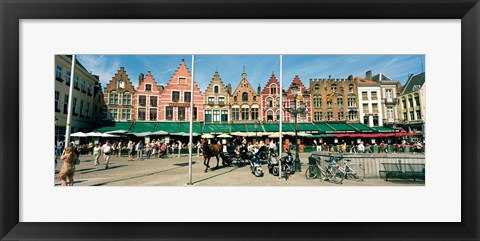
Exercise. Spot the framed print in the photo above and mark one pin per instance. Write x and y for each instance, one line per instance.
(223, 63)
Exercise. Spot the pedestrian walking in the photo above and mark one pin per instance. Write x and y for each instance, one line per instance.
(97, 151)
(131, 150)
(352, 148)
(361, 148)
(107, 151)
(199, 145)
(147, 150)
(179, 148)
(68, 168)
(120, 149)
(139, 150)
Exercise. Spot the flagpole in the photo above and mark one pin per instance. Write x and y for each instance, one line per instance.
(280, 148)
(70, 104)
(191, 127)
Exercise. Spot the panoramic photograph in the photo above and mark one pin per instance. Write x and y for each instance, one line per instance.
(239, 120)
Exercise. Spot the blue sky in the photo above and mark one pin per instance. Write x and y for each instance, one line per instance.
(258, 67)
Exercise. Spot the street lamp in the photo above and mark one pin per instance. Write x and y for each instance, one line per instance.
(295, 110)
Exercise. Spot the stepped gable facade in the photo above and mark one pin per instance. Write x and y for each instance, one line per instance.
(270, 100)
(301, 90)
(146, 98)
(334, 100)
(174, 101)
(119, 97)
(217, 101)
(245, 103)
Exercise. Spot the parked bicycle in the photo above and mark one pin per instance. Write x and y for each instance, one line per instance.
(331, 172)
(352, 171)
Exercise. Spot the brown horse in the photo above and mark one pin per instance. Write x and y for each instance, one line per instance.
(209, 151)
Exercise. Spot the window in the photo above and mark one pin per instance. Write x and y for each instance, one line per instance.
(148, 87)
(277, 104)
(334, 88)
(74, 105)
(340, 115)
(234, 98)
(87, 109)
(175, 96)
(221, 100)
(254, 98)
(365, 108)
(350, 89)
(142, 100)
(317, 87)
(364, 95)
(273, 89)
(317, 102)
(67, 78)
(127, 99)
(340, 101)
(75, 83)
(388, 94)
(352, 115)
(352, 102)
(254, 113)
(153, 101)
(245, 113)
(404, 103)
(169, 112)
(374, 95)
(211, 99)
(270, 102)
(58, 72)
(375, 120)
(208, 115)
(125, 114)
(112, 114)
(244, 96)
(215, 89)
(374, 108)
(113, 99)
(390, 116)
(181, 113)
(235, 114)
(57, 101)
(216, 115)
(412, 117)
(187, 96)
(410, 101)
(366, 120)
(419, 117)
(141, 115)
(330, 115)
(329, 103)
(194, 113)
(317, 116)
(153, 114)
(88, 88)
(83, 85)
(270, 115)
(65, 104)
(278, 115)
(405, 116)
(417, 100)
(224, 117)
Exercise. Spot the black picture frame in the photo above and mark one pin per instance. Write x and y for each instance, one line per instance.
(13, 11)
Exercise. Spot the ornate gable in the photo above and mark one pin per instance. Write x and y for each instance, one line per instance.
(272, 80)
(120, 83)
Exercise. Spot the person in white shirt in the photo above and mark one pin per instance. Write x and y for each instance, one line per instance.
(179, 148)
(361, 148)
(97, 151)
(107, 151)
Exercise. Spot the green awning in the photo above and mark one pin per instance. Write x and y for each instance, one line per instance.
(216, 128)
(383, 129)
(288, 127)
(251, 127)
(238, 127)
(114, 126)
(361, 127)
(170, 127)
(324, 128)
(307, 127)
(340, 127)
(185, 127)
(140, 127)
(271, 127)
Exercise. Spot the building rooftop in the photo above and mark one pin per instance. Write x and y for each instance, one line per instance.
(414, 83)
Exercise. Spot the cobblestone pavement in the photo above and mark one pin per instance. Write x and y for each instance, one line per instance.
(174, 172)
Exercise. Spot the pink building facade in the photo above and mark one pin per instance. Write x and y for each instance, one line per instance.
(146, 100)
(270, 104)
(301, 90)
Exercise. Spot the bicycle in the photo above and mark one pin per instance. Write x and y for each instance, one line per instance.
(331, 172)
(352, 171)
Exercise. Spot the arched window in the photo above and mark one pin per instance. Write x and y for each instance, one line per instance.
(234, 98)
(244, 96)
(317, 87)
(270, 102)
(273, 89)
(350, 89)
(254, 98)
(334, 87)
(277, 102)
(215, 89)
(278, 115)
(270, 115)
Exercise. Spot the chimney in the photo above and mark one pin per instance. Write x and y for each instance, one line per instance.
(229, 89)
(368, 75)
(259, 89)
(140, 78)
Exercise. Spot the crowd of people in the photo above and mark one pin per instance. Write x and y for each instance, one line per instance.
(361, 147)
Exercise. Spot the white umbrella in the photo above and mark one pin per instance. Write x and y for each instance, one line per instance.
(179, 134)
(160, 133)
(107, 135)
(142, 134)
(238, 133)
(79, 134)
(194, 134)
(224, 136)
(118, 132)
(208, 136)
(275, 135)
(94, 134)
(303, 134)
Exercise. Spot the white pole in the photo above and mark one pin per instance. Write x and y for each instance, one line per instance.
(280, 142)
(191, 127)
(70, 104)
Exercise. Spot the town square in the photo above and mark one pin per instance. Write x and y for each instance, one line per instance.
(278, 125)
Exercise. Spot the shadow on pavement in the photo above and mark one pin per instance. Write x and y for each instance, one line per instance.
(75, 182)
(102, 169)
(129, 178)
(184, 164)
(217, 175)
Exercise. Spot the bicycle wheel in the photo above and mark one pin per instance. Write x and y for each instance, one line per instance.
(334, 175)
(355, 172)
(312, 172)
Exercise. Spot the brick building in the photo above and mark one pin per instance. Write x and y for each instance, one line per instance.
(334, 99)
(118, 96)
(245, 102)
(217, 101)
(301, 90)
(146, 97)
(174, 101)
(270, 100)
